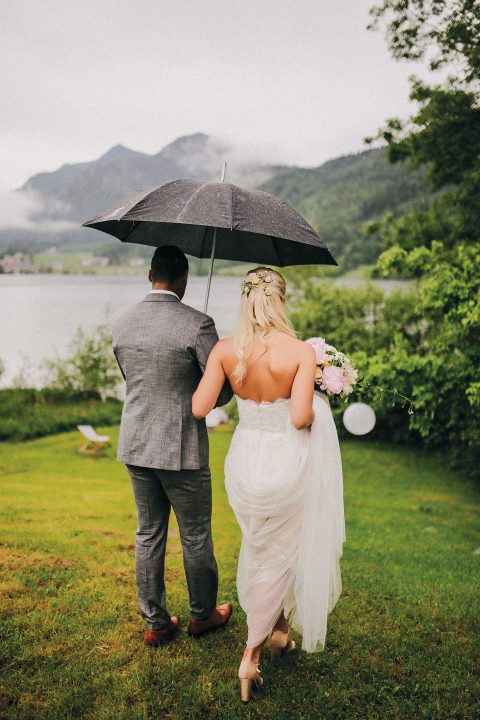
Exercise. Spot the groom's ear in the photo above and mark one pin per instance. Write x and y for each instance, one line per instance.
(150, 278)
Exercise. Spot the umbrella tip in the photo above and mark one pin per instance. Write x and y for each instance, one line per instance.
(224, 171)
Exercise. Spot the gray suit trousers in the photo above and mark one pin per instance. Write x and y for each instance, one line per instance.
(189, 492)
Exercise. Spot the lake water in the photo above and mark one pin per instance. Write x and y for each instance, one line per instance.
(40, 313)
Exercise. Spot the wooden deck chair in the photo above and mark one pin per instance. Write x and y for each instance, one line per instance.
(91, 443)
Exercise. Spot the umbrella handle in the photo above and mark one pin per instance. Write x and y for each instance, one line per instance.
(212, 256)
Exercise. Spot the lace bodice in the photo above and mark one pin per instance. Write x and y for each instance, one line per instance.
(269, 416)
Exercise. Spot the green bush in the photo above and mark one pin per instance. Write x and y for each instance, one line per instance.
(362, 318)
(423, 343)
(362, 322)
(29, 413)
(90, 365)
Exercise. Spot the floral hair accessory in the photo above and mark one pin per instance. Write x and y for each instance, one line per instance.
(264, 277)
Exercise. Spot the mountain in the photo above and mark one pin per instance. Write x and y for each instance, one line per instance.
(118, 152)
(339, 198)
(78, 192)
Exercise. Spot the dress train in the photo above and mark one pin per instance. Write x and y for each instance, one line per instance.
(286, 489)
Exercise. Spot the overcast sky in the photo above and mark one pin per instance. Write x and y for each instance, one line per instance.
(302, 79)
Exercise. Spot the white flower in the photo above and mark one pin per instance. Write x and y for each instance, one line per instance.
(350, 374)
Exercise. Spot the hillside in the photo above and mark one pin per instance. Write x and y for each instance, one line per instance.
(340, 197)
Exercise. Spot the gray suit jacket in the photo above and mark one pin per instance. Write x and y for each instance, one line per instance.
(162, 346)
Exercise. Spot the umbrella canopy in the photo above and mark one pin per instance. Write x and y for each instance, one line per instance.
(197, 216)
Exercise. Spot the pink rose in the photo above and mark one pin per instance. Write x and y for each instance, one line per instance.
(319, 345)
(332, 379)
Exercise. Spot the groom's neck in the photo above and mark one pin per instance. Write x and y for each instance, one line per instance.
(162, 286)
(178, 286)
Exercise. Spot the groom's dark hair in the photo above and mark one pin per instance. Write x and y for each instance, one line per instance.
(168, 263)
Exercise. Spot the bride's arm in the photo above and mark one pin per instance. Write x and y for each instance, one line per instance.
(206, 395)
(301, 403)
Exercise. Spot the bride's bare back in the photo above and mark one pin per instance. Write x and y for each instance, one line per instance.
(281, 366)
(271, 367)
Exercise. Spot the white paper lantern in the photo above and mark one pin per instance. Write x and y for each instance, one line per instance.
(359, 418)
(216, 417)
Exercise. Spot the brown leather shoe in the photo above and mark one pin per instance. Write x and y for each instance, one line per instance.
(219, 617)
(157, 637)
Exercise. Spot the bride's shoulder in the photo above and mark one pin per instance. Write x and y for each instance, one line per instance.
(307, 349)
(224, 346)
(301, 347)
(305, 354)
(226, 342)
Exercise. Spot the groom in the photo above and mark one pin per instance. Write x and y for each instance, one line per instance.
(162, 346)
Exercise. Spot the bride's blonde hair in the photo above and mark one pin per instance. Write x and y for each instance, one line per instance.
(262, 309)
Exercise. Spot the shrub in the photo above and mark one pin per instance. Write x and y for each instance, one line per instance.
(90, 365)
(423, 343)
(29, 413)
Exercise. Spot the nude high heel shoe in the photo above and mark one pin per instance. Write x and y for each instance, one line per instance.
(249, 675)
(280, 644)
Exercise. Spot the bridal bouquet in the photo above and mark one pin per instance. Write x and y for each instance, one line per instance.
(336, 374)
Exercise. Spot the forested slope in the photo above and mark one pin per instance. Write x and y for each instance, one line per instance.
(340, 197)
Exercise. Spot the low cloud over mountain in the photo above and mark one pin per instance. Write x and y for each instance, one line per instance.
(338, 198)
(78, 192)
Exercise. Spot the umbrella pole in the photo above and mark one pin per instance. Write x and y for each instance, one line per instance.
(210, 270)
(212, 256)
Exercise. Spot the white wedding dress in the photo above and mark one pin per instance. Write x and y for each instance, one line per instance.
(286, 489)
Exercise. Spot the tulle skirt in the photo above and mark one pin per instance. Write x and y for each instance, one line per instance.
(286, 489)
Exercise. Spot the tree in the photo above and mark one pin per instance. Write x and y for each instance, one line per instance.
(447, 31)
(444, 134)
(441, 244)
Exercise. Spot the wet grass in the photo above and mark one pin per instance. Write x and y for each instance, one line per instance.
(402, 642)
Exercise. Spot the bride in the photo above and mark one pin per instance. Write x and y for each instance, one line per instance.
(283, 476)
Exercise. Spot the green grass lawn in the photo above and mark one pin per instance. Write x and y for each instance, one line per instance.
(402, 642)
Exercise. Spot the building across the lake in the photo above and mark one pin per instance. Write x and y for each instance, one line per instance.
(18, 263)
(94, 261)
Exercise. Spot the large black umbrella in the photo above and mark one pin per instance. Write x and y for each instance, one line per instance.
(216, 219)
